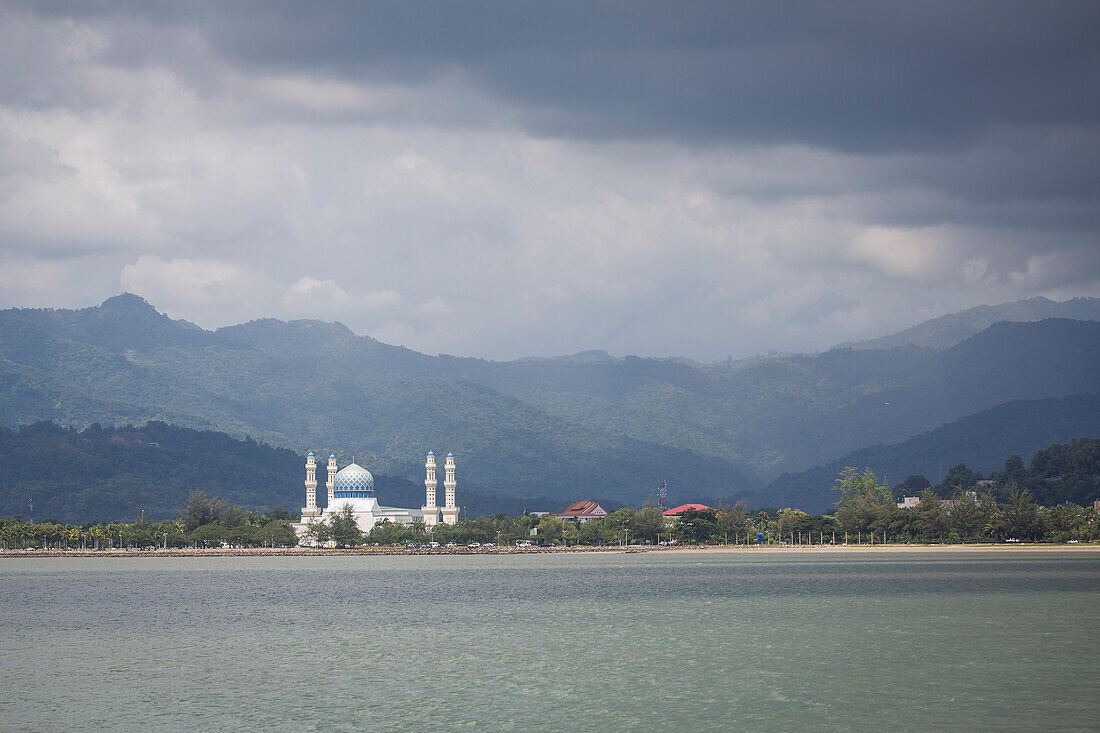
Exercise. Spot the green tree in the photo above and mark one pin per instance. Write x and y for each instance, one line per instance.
(1014, 468)
(855, 485)
(1020, 515)
(208, 534)
(648, 523)
(233, 517)
(930, 519)
(731, 523)
(865, 501)
(960, 477)
(388, 533)
(277, 533)
(966, 516)
(787, 521)
(201, 510)
(696, 525)
(341, 529)
(550, 529)
(911, 486)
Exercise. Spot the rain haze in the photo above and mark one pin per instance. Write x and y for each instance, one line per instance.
(508, 179)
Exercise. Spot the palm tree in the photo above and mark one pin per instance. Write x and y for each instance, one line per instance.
(1020, 514)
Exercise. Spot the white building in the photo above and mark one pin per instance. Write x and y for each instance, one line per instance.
(353, 486)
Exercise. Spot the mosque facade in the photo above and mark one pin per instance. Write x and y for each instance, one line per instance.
(353, 486)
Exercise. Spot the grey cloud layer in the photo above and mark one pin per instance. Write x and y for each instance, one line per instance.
(507, 178)
(855, 76)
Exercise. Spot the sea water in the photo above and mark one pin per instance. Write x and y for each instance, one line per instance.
(650, 641)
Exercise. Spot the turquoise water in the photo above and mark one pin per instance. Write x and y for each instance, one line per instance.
(718, 642)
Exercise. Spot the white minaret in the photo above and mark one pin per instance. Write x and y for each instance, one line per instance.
(449, 511)
(310, 509)
(430, 511)
(331, 483)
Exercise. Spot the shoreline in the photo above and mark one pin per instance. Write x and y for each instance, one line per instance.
(582, 549)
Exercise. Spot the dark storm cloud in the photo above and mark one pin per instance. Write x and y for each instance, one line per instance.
(691, 178)
(851, 76)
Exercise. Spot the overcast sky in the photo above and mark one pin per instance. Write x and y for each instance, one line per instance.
(509, 179)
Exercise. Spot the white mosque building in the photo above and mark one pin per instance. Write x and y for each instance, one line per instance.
(353, 486)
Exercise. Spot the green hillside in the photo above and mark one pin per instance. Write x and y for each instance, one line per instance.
(106, 474)
(981, 441)
(557, 428)
(113, 474)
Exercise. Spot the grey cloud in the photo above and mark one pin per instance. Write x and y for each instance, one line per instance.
(24, 160)
(857, 76)
(503, 179)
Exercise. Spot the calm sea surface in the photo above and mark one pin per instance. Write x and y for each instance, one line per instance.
(722, 641)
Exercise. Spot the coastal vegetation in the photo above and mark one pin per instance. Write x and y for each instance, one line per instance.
(866, 513)
(204, 522)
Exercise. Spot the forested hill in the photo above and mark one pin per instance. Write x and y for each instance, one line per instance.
(561, 428)
(981, 441)
(109, 474)
(112, 474)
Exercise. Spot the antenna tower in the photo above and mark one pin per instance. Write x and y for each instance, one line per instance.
(662, 495)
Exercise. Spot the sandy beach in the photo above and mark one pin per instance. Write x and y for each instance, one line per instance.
(714, 550)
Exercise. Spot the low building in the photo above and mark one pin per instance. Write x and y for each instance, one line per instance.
(583, 510)
(908, 502)
(678, 510)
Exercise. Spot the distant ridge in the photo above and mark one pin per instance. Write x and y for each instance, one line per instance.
(983, 441)
(581, 357)
(946, 331)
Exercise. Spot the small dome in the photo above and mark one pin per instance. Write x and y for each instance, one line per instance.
(310, 455)
(354, 478)
(331, 456)
(450, 455)
(430, 453)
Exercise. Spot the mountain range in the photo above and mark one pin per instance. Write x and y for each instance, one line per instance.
(562, 428)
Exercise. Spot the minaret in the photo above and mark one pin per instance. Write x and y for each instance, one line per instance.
(430, 511)
(310, 509)
(449, 511)
(331, 483)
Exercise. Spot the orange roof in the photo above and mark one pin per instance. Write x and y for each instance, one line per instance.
(683, 508)
(584, 508)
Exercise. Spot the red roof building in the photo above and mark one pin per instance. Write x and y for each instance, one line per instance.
(677, 511)
(583, 510)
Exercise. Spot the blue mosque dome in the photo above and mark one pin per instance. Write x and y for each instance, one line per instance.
(310, 455)
(353, 478)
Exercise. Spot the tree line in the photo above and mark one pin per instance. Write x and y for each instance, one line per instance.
(203, 522)
(976, 510)
(865, 512)
(978, 514)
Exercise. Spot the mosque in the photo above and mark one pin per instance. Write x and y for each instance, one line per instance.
(353, 486)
